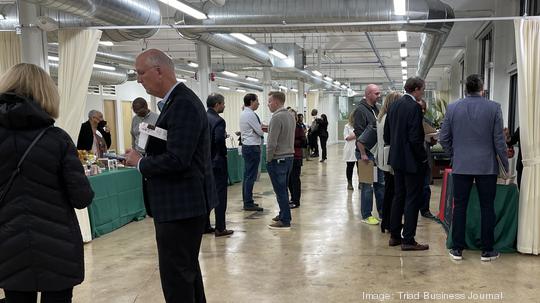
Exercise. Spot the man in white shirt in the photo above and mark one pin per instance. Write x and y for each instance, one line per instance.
(251, 134)
(142, 114)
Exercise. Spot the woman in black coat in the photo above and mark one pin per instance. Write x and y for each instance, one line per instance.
(41, 248)
(323, 134)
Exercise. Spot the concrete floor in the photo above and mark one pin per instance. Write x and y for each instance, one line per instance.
(327, 256)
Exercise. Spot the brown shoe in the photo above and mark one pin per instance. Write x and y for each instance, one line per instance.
(414, 246)
(226, 232)
(394, 242)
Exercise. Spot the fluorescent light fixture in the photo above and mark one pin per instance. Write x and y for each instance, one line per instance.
(181, 80)
(53, 58)
(240, 90)
(252, 79)
(278, 54)
(224, 87)
(283, 87)
(106, 43)
(185, 9)
(337, 82)
(402, 36)
(404, 71)
(344, 86)
(400, 8)
(317, 73)
(403, 52)
(105, 67)
(404, 77)
(244, 38)
(193, 64)
(403, 63)
(294, 90)
(328, 78)
(2, 17)
(230, 74)
(314, 90)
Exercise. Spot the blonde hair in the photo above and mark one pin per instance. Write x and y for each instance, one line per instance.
(351, 118)
(388, 100)
(31, 81)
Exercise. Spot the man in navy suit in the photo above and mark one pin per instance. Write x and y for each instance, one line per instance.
(178, 175)
(472, 132)
(404, 132)
(218, 154)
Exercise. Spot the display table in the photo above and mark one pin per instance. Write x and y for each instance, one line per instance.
(506, 212)
(118, 200)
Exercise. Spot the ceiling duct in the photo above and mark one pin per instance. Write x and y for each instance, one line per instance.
(98, 76)
(330, 12)
(77, 13)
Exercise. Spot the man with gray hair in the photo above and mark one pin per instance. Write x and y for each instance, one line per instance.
(142, 114)
(94, 135)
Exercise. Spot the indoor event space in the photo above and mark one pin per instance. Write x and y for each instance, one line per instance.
(184, 151)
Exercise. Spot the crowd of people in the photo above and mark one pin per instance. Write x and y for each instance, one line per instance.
(185, 176)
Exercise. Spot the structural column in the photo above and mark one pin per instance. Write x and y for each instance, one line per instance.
(203, 58)
(301, 100)
(267, 88)
(33, 39)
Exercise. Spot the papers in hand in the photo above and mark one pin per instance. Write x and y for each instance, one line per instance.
(367, 171)
(146, 130)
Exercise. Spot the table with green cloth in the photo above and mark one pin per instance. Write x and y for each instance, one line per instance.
(235, 164)
(506, 224)
(118, 200)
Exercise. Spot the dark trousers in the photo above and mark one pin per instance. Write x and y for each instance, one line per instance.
(278, 171)
(323, 146)
(426, 192)
(487, 187)
(63, 296)
(313, 144)
(222, 179)
(350, 170)
(178, 244)
(295, 185)
(408, 189)
(252, 157)
(387, 202)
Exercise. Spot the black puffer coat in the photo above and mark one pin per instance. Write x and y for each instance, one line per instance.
(41, 247)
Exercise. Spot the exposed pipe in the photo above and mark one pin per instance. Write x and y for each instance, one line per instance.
(98, 76)
(376, 51)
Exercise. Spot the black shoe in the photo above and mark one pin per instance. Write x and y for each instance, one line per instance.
(414, 246)
(293, 205)
(225, 232)
(489, 255)
(276, 218)
(314, 155)
(322, 160)
(253, 208)
(456, 254)
(394, 242)
(428, 215)
(209, 230)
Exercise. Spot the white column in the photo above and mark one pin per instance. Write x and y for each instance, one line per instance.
(33, 39)
(203, 58)
(301, 99)
(267, 88)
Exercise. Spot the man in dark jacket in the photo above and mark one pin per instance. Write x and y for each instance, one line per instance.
(178, 172)
(364, 115)
(93, 133)
(404, 132)
(218, 154)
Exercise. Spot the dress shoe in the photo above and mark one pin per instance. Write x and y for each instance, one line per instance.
(209, 230)
(225, 232)
(322, 160)
(394, 242)
(276, 218)
(428, 215)
(414, 246)
(253, 208)
(293, 205)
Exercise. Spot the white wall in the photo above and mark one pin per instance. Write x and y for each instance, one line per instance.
(329, 105)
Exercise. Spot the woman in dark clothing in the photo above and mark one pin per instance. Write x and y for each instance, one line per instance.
(41, 248)
(323, 134)
(511, 141)
(300, 142)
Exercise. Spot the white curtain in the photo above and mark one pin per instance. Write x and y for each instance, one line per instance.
(528, 63)
(10, 50)
(77, 52)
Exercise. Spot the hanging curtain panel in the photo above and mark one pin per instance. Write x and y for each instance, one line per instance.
(10, 50)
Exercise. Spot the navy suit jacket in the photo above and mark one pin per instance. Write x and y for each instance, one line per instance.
(472, 132)
(218, 138)
(178, 172)
(404, 132)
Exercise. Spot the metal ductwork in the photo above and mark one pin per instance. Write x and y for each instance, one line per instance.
(98, 76)
(329, 13)
(77, 13)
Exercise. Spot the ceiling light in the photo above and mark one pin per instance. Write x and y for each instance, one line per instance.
(230, 74)
(181, 80)
(328, 78)
(105, 67)
(403, 63)
(403, 52)
(244, 38)
(185, 9)
(400, 8)
(402, 36)
(252, 79)
(53, 58)
(106, 43)
(240, 90)
(404, 77)
(337, 82)
(294, 90)
(316, 73)
(314, 90)
(283, 87)
(193, 64)
(276, 53)
(344, 86)
(224, 87)
(404, 71)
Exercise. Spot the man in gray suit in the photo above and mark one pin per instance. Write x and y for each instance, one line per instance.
(472, 132)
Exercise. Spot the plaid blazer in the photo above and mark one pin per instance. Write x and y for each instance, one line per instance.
(178, 172)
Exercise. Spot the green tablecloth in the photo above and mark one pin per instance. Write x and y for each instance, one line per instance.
(235, 164)
(118, 200)
(506, 211)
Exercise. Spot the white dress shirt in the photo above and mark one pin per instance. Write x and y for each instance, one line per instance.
(250, 128)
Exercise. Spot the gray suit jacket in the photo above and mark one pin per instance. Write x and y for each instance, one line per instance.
(472, 132)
